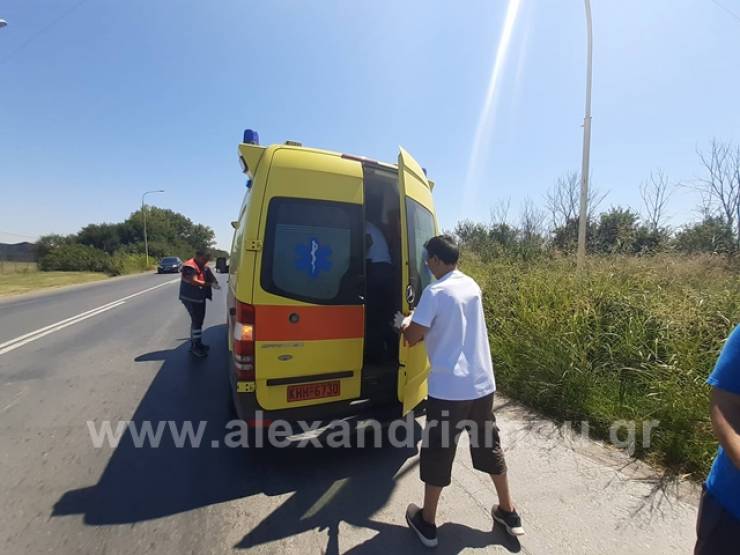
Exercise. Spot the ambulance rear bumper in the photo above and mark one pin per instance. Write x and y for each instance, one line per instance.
(248, 409)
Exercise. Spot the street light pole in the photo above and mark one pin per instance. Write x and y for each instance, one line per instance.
(585, 162)
(143, 213)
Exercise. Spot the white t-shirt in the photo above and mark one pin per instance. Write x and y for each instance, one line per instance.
(457, 340)
(378, 251)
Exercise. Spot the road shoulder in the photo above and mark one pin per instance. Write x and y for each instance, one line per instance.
(13, 297)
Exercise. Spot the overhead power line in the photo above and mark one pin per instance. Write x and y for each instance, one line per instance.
(42, 30)
(728, 10)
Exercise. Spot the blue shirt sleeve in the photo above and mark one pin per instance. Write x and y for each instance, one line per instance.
(726, 373)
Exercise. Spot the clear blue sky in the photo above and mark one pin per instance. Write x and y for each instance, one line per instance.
(102, 100)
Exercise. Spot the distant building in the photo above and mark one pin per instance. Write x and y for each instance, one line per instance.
(18, 252)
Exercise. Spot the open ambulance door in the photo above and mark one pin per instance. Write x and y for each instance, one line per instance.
(418, 225)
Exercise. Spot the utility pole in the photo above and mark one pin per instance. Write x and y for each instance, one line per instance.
(585, 162)
(143, 214)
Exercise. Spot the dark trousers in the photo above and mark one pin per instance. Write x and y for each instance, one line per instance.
(717, 531)
(445, 422)
(197, 313)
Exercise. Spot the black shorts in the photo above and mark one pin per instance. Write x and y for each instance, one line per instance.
(445, 422)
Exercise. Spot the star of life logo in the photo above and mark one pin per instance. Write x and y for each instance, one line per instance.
(313, 258)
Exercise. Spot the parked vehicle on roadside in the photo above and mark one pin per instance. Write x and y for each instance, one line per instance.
(169, 265)
(222, 265)
(297, 295)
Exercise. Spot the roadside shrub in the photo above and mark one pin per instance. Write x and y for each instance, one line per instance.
(713, 235)
(629, 338)
(127, 263)
(75, 257)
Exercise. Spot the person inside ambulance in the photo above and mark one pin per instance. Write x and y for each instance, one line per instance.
(379, 334)
(196, 286)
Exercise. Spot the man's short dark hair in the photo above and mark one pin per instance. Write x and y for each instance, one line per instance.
(203, 252)
(443, 247)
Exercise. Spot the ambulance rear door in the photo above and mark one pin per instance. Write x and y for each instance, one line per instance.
(418, 225)
(309, 286)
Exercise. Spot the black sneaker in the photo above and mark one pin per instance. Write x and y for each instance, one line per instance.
(427, 532)
(198, 351)
(511, 520)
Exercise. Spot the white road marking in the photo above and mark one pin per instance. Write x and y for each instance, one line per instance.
(24, 339)
(29, 334)
(16, 399)
(57, 328)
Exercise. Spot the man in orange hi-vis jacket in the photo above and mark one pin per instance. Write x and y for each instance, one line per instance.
(195, 287)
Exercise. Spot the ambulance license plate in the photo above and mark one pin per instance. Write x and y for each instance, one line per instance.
(309, 391)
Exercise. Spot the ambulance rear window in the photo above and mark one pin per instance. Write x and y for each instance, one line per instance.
(421, 228)
(313, 251)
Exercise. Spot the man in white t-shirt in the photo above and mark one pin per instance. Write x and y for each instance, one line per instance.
(450, 320)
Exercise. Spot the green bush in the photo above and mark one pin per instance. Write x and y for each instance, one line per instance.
(128, 263)
(713, 234)
(74, 257)
(630, 338)
(119, 248)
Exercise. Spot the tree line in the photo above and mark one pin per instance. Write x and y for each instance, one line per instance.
(118, 248)
(621, 230)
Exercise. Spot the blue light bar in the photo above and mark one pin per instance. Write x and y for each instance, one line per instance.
(251, 137)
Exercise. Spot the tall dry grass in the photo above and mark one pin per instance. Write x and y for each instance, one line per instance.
(630, 338)
(12, 267)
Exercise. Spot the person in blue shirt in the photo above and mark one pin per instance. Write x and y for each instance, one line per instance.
(718, 524)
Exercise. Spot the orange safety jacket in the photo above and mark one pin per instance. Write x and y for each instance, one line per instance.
(195, 293)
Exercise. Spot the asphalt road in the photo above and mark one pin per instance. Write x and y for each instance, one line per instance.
(125, 359)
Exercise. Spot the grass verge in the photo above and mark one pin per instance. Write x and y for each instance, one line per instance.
(628, 339)
(11, 267)
(25, 282)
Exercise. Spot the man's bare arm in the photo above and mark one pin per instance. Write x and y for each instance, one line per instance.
(413, 333)
(725, 414)
(193, 280)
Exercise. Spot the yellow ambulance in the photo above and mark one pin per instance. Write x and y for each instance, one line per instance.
(298, 301)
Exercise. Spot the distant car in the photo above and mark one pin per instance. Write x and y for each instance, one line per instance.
(169, 265)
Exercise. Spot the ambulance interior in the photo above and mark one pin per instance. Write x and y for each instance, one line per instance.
(382, 283)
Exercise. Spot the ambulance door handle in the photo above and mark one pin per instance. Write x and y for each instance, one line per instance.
(360, 284)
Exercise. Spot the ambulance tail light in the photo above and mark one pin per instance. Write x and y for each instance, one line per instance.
(243, 342)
